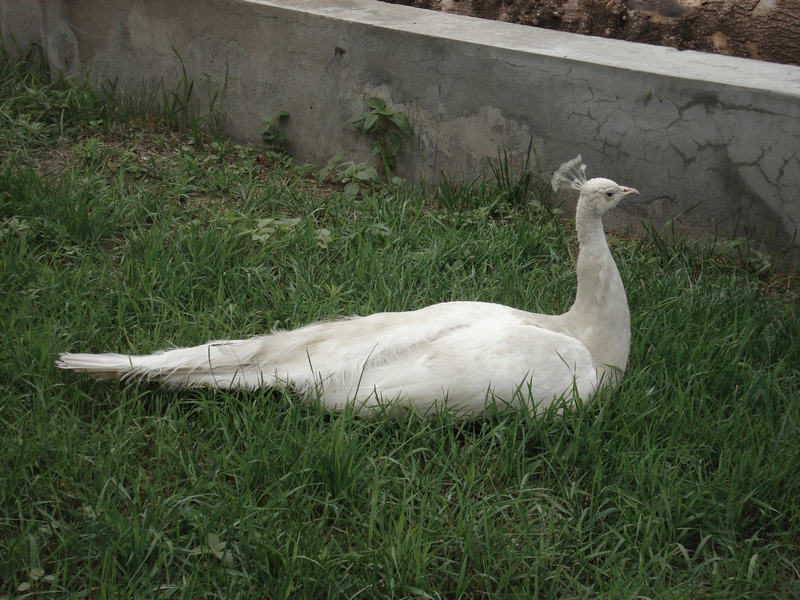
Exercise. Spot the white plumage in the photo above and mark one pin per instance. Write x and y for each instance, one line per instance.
(459, 354)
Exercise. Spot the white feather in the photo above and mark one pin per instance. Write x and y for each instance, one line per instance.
(459, 354)
(570, 174)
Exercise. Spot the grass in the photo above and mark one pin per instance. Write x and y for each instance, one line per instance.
(125, 232)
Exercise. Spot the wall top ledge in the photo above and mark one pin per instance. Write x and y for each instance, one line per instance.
(619, 54)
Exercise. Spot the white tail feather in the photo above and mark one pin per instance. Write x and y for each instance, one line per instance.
(219, 364)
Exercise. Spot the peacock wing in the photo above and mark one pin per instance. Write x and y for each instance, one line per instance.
(466, 366)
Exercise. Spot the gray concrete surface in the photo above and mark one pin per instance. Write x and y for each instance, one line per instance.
(710, 141)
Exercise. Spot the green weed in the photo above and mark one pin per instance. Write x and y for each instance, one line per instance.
(388, 127)
(274, 138)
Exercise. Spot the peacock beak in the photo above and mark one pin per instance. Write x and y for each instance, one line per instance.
(626, 191)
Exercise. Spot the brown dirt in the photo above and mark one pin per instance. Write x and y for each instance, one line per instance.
(760, 29)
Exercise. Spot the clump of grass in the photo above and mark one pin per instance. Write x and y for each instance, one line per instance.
(132, 235)
(514, 183)
(517, 182)
(199, 113)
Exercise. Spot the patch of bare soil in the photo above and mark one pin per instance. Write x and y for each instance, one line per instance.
(760, 29)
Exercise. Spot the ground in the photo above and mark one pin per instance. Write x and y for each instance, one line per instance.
(760, 29)
(121, 231)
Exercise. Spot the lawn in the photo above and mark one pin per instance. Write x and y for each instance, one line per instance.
(128, 231)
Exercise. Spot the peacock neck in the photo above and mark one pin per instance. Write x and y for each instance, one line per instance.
(599, 317)
(589, 227)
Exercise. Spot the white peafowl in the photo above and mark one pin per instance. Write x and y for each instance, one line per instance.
(456, 354)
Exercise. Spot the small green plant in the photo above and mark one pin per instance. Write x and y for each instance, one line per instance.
(274, 138)
(323, 237)
(18, 227)
(740, 252)
(89, 151)
(388, 127)
(354, 176)
(267, 228)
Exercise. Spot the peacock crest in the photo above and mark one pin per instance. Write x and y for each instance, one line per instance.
(571, 174)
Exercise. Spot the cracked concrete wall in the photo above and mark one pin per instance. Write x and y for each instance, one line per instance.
(711, 141)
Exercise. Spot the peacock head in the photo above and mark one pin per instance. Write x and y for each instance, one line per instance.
(599, 193)
(604, 194)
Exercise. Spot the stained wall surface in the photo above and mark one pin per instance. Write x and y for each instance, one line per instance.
(710, 141)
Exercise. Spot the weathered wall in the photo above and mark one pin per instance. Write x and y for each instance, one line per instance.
(711, 141)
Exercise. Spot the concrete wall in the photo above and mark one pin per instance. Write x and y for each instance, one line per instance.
(711, 141)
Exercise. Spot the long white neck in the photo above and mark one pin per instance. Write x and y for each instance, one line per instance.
(599, 316)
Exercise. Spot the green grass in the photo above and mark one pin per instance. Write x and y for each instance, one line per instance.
(123, 232)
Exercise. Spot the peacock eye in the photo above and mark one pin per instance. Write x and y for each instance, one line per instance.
(610, 194)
